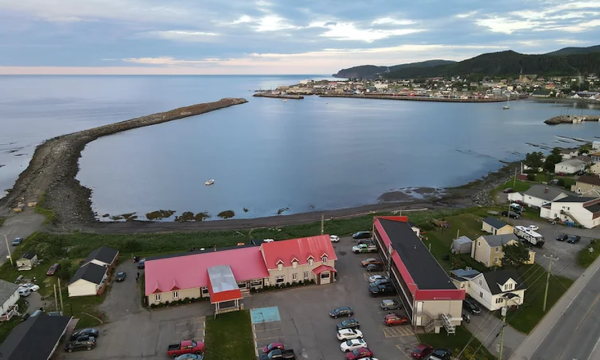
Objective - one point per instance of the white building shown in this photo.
(596, 145)
(581, 210)
(538, 195)
(9, 295)
(568, 153)
(569, 166)
(89, 280)
(496, 289)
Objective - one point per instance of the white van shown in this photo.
(24, 292)
(516, 207)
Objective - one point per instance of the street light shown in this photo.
(8, 249)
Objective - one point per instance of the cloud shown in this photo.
(347, 31)
(273, 22)
(466, 15)
(390, 21)
(242, 20)
(183, 35)
(506, 25)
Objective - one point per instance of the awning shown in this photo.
(222, 285)
(322, 268)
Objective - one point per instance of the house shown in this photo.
(462, 245)
(587, 185)
(461, 277)
(488, 249)
(429, 297)
(595, 169)
(496, 289)
(595, 157)
(209, 273)
(538, 195)
(35, 339)
(494, 226)
(580, 210)
(568, 153)
(9, 295)
(89, 280)
(27, 261)
(569, 166)
(596, 145)
(103, 256)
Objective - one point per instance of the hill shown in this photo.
(372, 71)
(575, 50)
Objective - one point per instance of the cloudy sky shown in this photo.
(276, 37)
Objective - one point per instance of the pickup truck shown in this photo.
(185, 347)
(364, 248)
(279, 354)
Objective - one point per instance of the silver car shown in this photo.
(390, 304)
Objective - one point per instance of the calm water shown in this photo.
(267, 154)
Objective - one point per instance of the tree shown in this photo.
(515, 255)
(534, 160)
(65, 272)
(552, 159)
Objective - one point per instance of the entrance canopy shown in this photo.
(222, 285)
(322, 268)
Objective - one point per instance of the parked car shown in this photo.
(53, 269)
(368, 241)
(395, 319)
(440, 354)
(511, 214)
(508, 190)
(359, 353)
(369, 261)
(85, 332)
(361, 235)
(189, 357)
(121, 275)
(352, 344)
(421, 351)
(185, 347)
(364, 248)
(573, 239)
(374, 278)
(334, 238)
(390, 304)
(379, 290)
(24, 292)
(374, 267)
(81, 343)
(348, 324)
(533, 227)
(141, 264)
(562, 237)
(30, 286)
(347, 334)
(341, 311)
(279, 354)
(272, 346)
(471, 306)
(17, 241)
(381, 281)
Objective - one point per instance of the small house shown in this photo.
(462, 245)
(27, 261)
(494, 226)
(103, 256)
(496, 289)
(9, 295)
(569, 166)
(567, 154)
(596, 145)
(595, 157)
(588, 185)
(488, 249)
(538, 195)
(89, 280)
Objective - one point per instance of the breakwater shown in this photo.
(416, 98)
(52, 170)
(568, 119)
(279, 96)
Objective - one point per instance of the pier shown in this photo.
(279, 96)
(420, 98)
(568, 119)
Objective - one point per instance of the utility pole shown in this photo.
(55, 298)
(8, 248)
(62, 306)
(551, 258)
(322, 223)
(515, 180)
(504, 310)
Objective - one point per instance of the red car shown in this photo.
(268, 348)
(359, 354)
(53, 269)
(421, 351)
(394, 319)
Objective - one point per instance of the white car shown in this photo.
(533, 227)
(334, 238)
(349, 334)
(374, 278)
(352, 344)
(30, 286)
(24, 292)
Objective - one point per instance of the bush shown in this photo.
(531, 177)
(66, 271)
(561, 182)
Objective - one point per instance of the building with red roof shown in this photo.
(225, 275)
(430, 298)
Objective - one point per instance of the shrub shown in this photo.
(561, 182)
(531, 177)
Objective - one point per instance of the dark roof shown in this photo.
(422, 266)
(594, 208)
(44, 331)
(495, 223)
(577, 199)
(589, 179)
(253, 243)
(104, 254)
(493, 278)
(29, 255)
(90, 272)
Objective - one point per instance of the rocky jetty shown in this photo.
(279, 96)
(417, 98)
(568, 119)
(55, 164)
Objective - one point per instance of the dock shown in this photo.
(279, 96)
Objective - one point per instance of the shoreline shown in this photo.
(416, 98)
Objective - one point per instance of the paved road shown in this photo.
(21, 225)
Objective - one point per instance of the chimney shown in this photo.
(546, 190)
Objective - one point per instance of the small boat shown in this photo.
(284, 100)
(209, 182)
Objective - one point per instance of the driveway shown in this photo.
(123, 298)
(18, 225)
(486, 327)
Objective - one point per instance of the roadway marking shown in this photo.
(399, 331)
(265, 330)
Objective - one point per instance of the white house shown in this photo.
(595, 169)
(9, 295)
(89, 280)
(595, 157)
(581, 210)
(496, 289)
(569, 166)
(538, 195)
(568, 153)
(27, 261)
(596, 145)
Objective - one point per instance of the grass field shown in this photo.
(457, 343)
(229, 337)
(585, 258)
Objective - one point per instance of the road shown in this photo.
(21, 225)
(575, 334)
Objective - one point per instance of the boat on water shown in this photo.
(209, 182)
(284, 100)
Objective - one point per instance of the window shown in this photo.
(497, 249)
(280, 266)
(280, 279)
(499, 300)
(495, 260)
(294, 264)
(480, 294)
(306, 275)
(294, 277)
(310, 262)
(479, 243)
(156, 297)
(204, 291)
(508, 286)
(175, 294)
(325, 275)
(480, 282)
(324, 258)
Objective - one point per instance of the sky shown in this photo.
(276, 37)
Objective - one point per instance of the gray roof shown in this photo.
(463, 240)
(497, 278)
(499, 240)
(545, 192)
(43, 331)
(29, 255)
(221, 278)
(463, 274)
(576, 199)
(495, 223)
(90, 272)
(7, 290)
(104, 254)
(572, 162)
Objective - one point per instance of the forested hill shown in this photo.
(372, 71)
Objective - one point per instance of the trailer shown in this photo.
(530, 236)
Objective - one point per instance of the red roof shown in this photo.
(299, 249)
(319, 269)
(190, 271)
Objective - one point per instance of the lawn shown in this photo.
(229, 336)
(457, 343)
(585, 258)
(545, 178)
(7, 326)
(516, 186)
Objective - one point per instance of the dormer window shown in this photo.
(324, 258)
(280, 265)
(310, 261)
(294, 263)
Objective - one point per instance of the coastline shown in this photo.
(416, 98)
